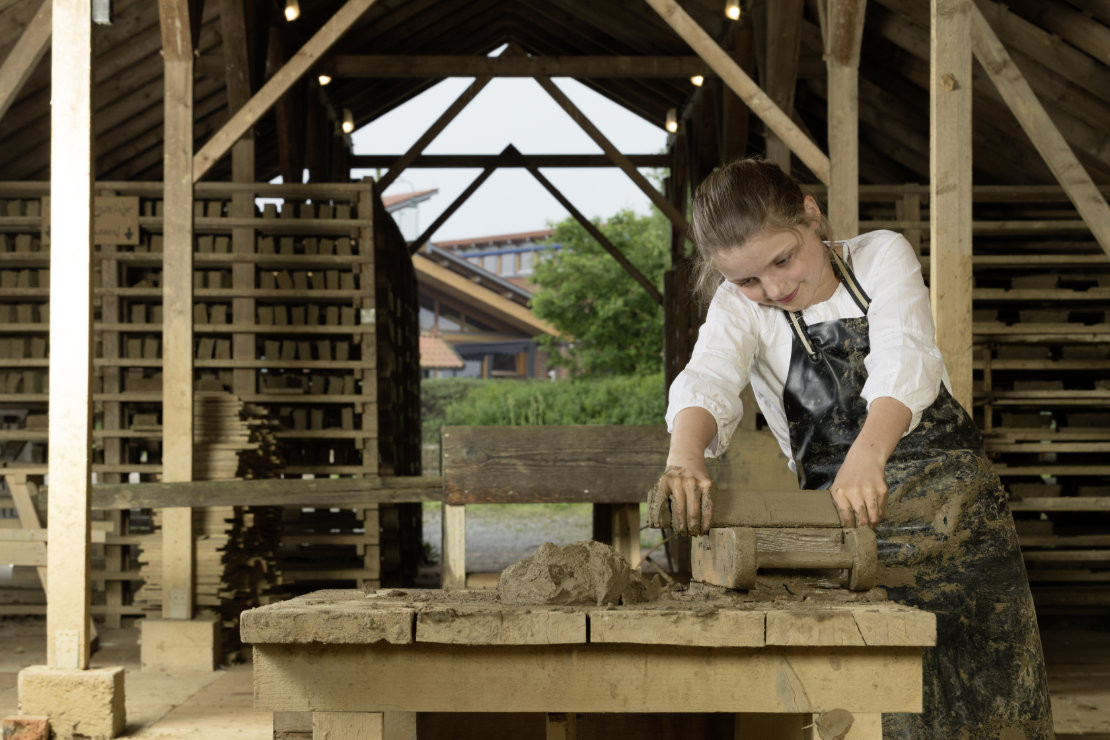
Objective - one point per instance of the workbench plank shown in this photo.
(332, 617)
(425, 677)
(702, 628)
(878, 624)
(497, 625)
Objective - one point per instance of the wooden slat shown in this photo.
(375, 66)
(1070, 503)
(596, 463)
(1041, 130)
(71, 179)
(342, 492)
(277, 85)
(25, 56)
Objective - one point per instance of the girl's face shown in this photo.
(781, 270)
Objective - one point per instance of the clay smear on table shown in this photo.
(585, 572)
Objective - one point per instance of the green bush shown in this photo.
(436, 394)
(608, 400)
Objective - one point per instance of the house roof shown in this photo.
(436, 354)
(402, 200)
(497, 240)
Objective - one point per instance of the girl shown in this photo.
(837, 342)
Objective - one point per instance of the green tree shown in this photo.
(615, 327)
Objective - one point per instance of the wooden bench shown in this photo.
(610, 466)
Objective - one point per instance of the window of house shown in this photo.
(449, 319)
(489, 263)
(427, 314)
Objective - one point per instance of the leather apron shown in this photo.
(947, 542)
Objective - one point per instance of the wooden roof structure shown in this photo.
(394, 49)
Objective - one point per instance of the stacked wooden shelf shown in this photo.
(1041, 301)
(287, 309)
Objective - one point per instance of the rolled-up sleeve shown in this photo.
(719, 369)
(904, 362)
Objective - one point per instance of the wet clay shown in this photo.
(585, 572)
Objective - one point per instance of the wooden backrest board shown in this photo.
(588, 463)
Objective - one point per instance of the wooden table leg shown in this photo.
(562, 726)
(364, 726)
(773, 726)
(626, 531)
(453, 560)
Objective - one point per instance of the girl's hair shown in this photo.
(736, 202)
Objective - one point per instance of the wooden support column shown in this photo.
(25, 55)
(735, 115)
(950, 278)
(784, 36)
(70, 435)
(743, 85)
(367, 309)
(1023, 102)
(845, 32)
(177, 306)
(234, 25)
(289, 113)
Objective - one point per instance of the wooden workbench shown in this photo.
(342, 654)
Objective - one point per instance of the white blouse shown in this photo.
(743, 341)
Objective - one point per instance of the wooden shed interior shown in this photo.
(293, 328)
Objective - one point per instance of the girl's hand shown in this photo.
(687, 489)
(859, 491)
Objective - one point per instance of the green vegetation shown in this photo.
(617, 328)
(618, 399)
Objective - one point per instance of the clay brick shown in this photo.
(27, 727)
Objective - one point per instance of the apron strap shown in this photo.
(798, 324)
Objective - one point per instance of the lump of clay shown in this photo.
(585, 572)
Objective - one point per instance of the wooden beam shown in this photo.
(71, 347)
(376, 66)
(25, 56)
(277, 85)
(743, 85)
(421, 240)
(784, 40)
(481, 161)
(845, 20)
(614, 154)
(595, 232)
(950, 277)
(1039, 127)
(177, 305)
(396, 168)
(288, 112)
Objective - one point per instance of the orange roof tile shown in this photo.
(436, 353)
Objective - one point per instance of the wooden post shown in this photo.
(950, 278)
(177, 306)
(237, 65)
(70, 435)
(453, 557)
(368, 340)
(784, 36)
(842, 54)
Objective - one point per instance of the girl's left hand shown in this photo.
(859, 491)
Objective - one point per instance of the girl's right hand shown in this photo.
(688, 491)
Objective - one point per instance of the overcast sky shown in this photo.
(512, 111)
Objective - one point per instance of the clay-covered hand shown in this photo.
(682, 500)
(859, 491)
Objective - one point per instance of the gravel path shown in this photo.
(499, 535)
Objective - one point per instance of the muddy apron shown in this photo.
(947, 542)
